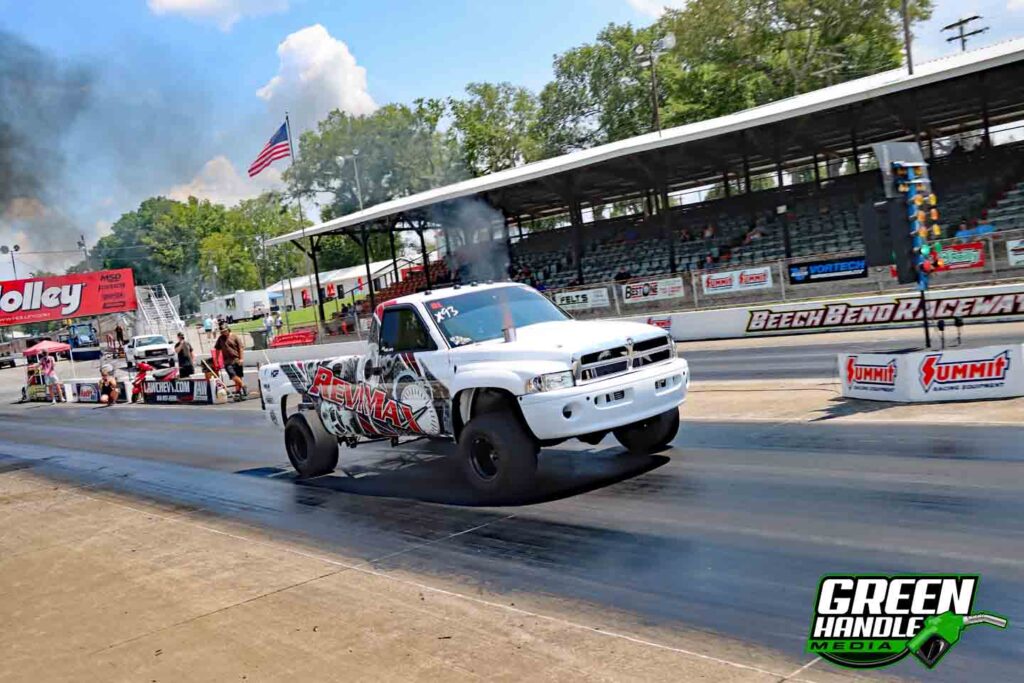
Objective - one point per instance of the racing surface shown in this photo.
(728, 530)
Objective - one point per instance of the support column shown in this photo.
(787, 242)
(508, 247)
(725, 184)
(313, 249)
(426, 258)
(984, 110)
(666, 227)
(394, 254)
(746, 163)
(369, 275)
(576, 218)
(855, 149)
(817, 173)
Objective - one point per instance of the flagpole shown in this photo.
(314, 279)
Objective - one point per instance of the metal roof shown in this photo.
(882, 106)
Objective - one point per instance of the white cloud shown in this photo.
(317, 74)
(655, 8)
(223, 13)
(1015, 5)
(221, 183)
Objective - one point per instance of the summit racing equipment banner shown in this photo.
(583, 299)
(960, 374)
(871, 621)
(1015, 252)
(653, 290)
(963, 256)
(737, 280)
(832, 269)
(66, 296)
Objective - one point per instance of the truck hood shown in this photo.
(560, 340)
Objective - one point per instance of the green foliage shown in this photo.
(494, 126)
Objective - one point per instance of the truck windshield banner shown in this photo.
(831, 269)
(737, 280)
(652, 290)
(66, 296)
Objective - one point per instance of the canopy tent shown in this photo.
(48, 347)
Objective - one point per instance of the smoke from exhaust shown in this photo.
(39, 101)
(475, 235)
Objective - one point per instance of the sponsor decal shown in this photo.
(902, 310)
(87, 393)
(957, 375)
(963, 256)
(663, 322)
(863, 376)
(363, 399)
(871, 621)
(66, 296)
(583, 299)
(831, 269)
(1015, 252)
(737, 280)
(652, 290)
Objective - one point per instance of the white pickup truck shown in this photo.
(496, 368)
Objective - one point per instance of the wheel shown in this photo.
(650, 434)
(311, 450)
(497, 455)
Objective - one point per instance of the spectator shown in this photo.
(709, 261)
(268, 326)
(186, 357)
(575, 282)
(232, 353)
(119, 333)
(109, 391)
(208, 327)
(622, 275)
(709, 231)
(48, 368)
(278, 323)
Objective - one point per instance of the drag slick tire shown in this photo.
(650, 434)
(497, 455)
(311, 449)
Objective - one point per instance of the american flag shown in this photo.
(276, 148)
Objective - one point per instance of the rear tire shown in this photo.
(497, 455)
(311, 449)
(650, 434)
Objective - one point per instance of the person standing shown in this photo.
(232, 353)
(208, 326)
(119, 334)
(278, 323)
(48, 368)
(186, 357)
(268, 326)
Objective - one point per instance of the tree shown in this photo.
(254, 221)
(494, 126)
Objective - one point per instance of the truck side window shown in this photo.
(401, 330)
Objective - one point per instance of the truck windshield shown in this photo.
(484, 314)
(150, 341)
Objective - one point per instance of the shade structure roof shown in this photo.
(941, 96)
(47, 346)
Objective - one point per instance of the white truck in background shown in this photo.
(496, 368)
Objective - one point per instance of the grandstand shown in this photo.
(781, 181)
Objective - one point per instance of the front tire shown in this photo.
(497, 455)
(651, 434)
(311, 449)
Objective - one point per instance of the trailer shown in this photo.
(241, 305)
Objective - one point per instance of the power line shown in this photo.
(961, 34)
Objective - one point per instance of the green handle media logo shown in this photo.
(870, 621)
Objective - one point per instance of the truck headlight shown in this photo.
(550, 382)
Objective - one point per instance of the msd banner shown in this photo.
(652, 290)
(737, 280)
(959, 374)
(963, 256)
(66, 296)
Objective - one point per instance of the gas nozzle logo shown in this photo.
(873, 621)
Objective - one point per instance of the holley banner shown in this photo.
(66, 296)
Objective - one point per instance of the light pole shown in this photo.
(12, 250)
(355, 166)
(648, 57)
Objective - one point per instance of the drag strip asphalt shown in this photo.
(728, 530)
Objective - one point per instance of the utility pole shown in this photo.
(85, 250)
(648, 58)
(961, 34)
(906, 37)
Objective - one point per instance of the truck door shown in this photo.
(414, 371)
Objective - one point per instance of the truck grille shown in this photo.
(621, 359)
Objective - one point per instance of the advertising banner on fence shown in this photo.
(963, 256)
(191, 390)
(827, 270)
(583, 299)
(66, 296)
(959, 374)
(652, 290)
(1015, 252)
(88, 390)
(737, 280)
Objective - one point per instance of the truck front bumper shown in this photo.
(607, 404)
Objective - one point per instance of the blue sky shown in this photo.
(182, 94)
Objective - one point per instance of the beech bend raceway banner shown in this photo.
(66, 296)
